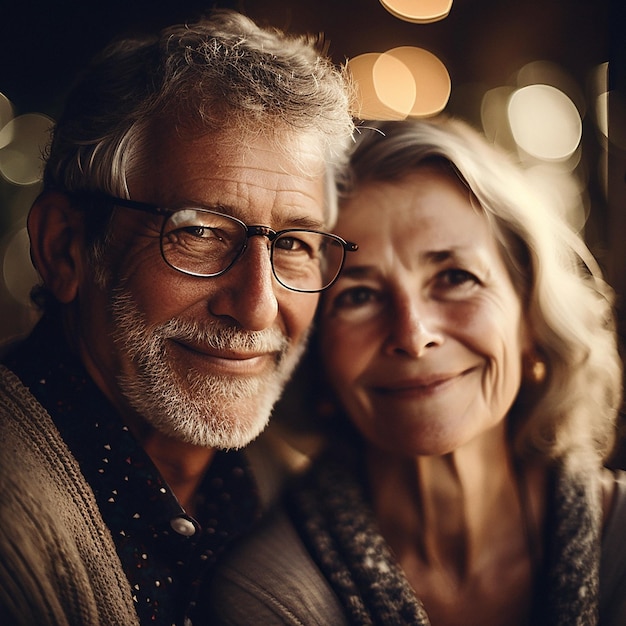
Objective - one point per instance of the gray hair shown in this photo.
(221, 74)
(568, 306)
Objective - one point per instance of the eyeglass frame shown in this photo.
(250, 230)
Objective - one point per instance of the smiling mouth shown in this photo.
(235, 361)
(236, 355)
(420, 387)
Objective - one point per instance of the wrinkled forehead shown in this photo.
(304, 150)
(298, 153)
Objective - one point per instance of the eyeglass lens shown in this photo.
(204, 243)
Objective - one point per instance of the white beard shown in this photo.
(214, 411)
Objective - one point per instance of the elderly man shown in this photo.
(181, 241)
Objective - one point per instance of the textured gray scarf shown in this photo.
(331, 511)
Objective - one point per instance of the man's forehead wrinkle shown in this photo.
(288, 206)
(301, 152)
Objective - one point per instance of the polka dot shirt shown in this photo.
(168, 556)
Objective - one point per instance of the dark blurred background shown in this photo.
(43, 44)
(484, 44)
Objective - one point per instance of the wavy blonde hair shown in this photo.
(567, 303)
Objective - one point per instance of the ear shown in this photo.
(56, 237)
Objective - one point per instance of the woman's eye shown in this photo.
(454, 284)
(456, 277)
(355, 297)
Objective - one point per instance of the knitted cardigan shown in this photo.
(58, 563)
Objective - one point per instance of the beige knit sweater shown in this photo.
(58, 563)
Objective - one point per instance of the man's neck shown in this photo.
(182, 465)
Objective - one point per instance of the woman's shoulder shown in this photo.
(614, 499)
(271, 576)
(613, 556)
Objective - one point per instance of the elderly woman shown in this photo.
(471, 351)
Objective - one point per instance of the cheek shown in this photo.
(491, 330)
(297, 312)
(498, 336)
(161, 294)
(346, 353)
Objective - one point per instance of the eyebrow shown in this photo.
(309, 223)
(454, 253)
(439, 256)
(357, 271)
(430, 257)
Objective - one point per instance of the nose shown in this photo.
(246, 293)
(413, 327)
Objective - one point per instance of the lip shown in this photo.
(231, 361)
(421, 385)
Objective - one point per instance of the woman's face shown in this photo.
(422, 335)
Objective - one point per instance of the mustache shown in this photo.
(223, 337)
(141, 340)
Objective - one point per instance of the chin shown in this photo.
(224, 428)
(403, 442)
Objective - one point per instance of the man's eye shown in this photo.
(288, 243)
(193, 231)
(202, 232)
(295, 244)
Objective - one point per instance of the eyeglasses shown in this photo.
(206, 243)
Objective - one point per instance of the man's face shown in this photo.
(202, 360)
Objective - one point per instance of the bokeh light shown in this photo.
(394, 83)
(369, 104)
(6, 112)
(548, 73)
(23, 141)
(495, 119)
(545, 122)
(601, 113)
(431, 78)
(541, 125)
(418, 11)
(405, 81)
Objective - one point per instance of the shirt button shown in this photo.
(183, 526)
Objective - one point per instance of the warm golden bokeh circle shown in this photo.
(418, 11)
